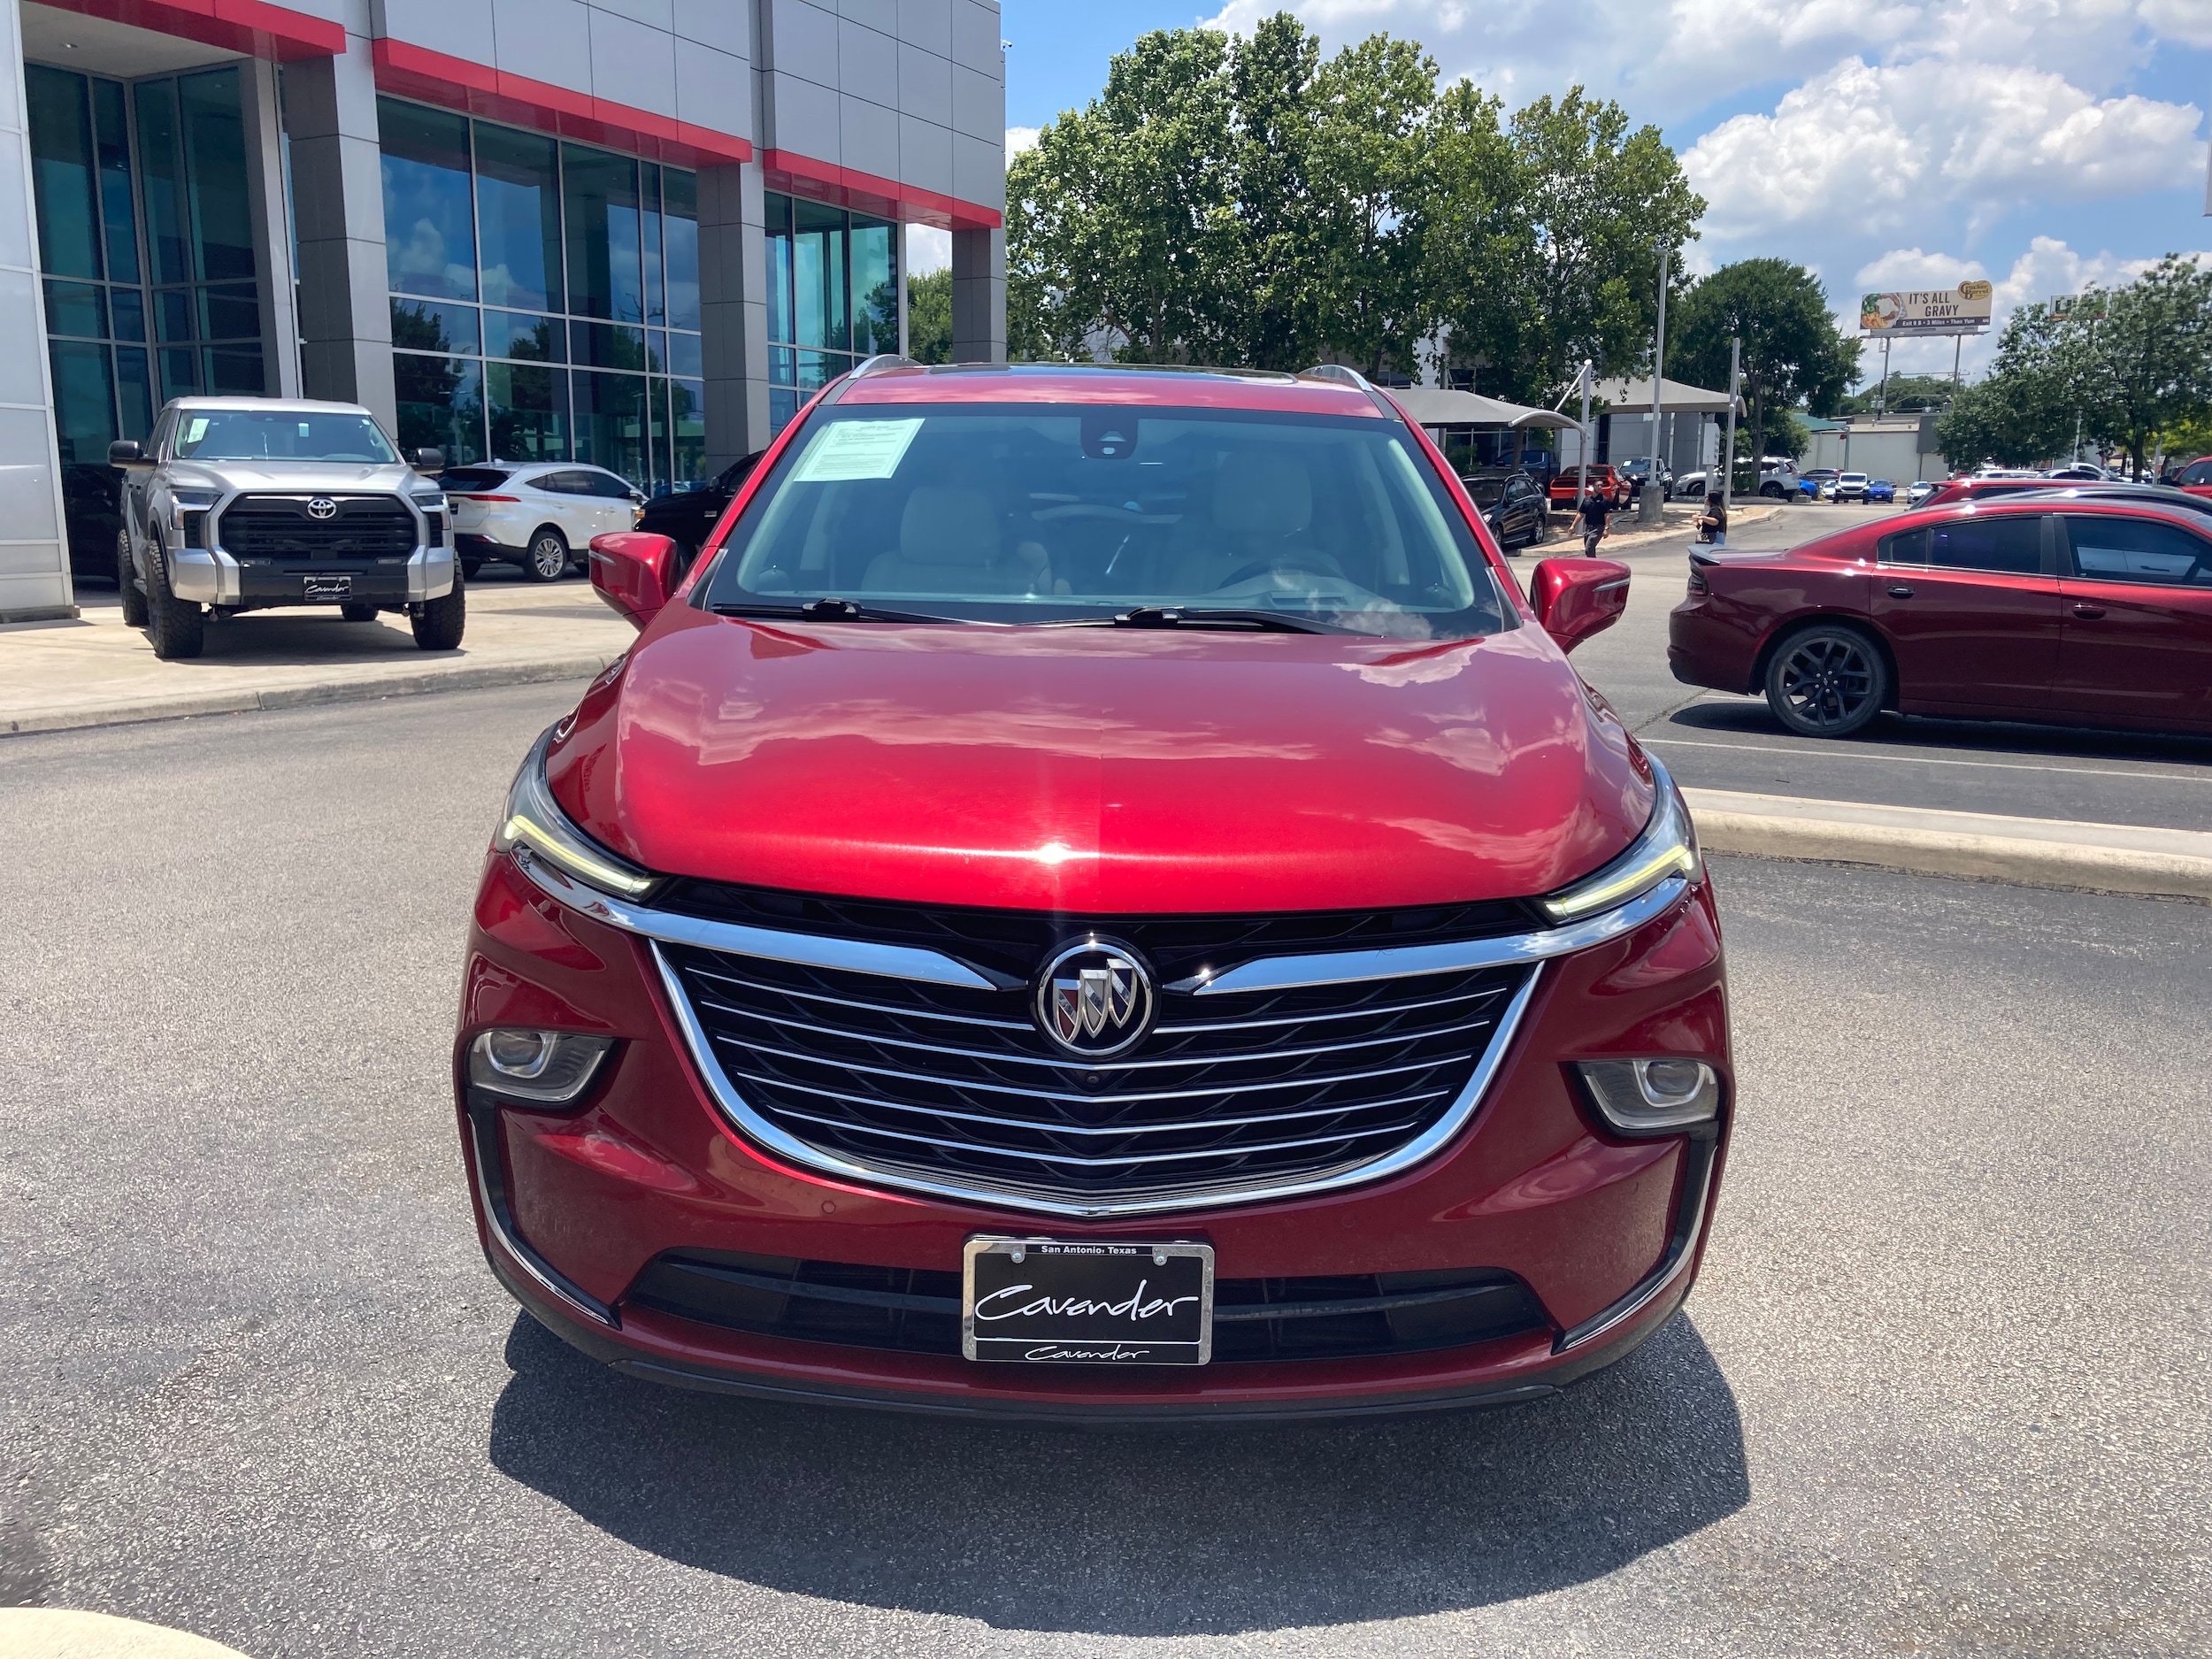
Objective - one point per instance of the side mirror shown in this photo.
(127, 452)
(1576, 598)
(428, 460)
(634, 571)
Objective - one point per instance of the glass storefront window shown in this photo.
(519, 209)
(832, 286)
(84, 401)
(118, 211)
(62, 172)
(429, 212)
(161, 179)
(680, 234)
(527, 404)
(606, 275)
(76, 307)
(610, 426)
(441, 406)
(532, 339)
(875, 290)
(420, 326)
(688, 422)
(215, 163)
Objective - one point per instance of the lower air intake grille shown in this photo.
(917, 1310)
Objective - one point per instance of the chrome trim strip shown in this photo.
(1366, 1011)
(1072, 1129)
(757, 1128)
(494, 1204)
(1689, 1227)
(1400, 1037)
(807, 950)
(1349, 967)
(1096, 1164)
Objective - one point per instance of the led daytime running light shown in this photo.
(534, 821)
(1668, 847)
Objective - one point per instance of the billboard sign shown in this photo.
(2078, 308)
(1963, 310)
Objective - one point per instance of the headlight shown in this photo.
(547, 1068)
(1649, 1097)
(536, 823)
(432, 503)
(1668, 847)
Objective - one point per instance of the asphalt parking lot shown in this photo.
(1943, 1389)
(1717, 740)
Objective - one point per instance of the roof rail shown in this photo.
(882, 363)
(1337, 373)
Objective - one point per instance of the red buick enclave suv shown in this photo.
(1096, 898)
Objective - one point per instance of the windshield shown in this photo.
(1485, 492)
(277, 434)
(1033, 514)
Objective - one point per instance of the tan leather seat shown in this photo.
(1261, 508)
(948, 544)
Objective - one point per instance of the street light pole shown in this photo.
(1728, 445)
(1881, 398)
(1582, 444)
(1657, 509)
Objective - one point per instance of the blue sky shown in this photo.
(2041, 143)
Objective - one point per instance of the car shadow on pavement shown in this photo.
(1137, 1532)
(1750, 717)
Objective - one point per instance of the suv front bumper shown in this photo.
(213, 577)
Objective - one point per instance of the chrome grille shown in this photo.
(955, 1090)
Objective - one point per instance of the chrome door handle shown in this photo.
(2089, 612)
(1899, 591)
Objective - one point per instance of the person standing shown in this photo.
(1594, 511)
(1713, 525)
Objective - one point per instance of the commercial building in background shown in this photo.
(636, 233)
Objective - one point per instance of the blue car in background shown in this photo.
(1881, 489)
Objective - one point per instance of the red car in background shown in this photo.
(1566, 486)
(2196, 478)
(1097, 898)
(2076, 607)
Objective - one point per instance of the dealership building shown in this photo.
(633, 233)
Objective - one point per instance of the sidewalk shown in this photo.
(58, 676)
(1677, 526)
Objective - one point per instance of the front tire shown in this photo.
(176, 626)
(437, 626)
(1827, 681)
(546, 559)
(126, 578)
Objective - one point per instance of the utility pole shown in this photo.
(1728, 445)
(1881, 398)
(1655, 501)
(1582, 444)
(1958, 344)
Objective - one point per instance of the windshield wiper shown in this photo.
(827, 610)
(1203, 616)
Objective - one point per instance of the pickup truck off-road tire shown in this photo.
(176, 626)
(438, 625)
(126, 578)
(547, 558)
(359, 613)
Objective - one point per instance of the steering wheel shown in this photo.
(1310, 564)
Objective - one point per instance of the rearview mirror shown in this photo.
(634, 571)
(428, 460)
(1576, 598)
(126, 452)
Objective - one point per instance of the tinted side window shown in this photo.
(2197, 473)
(468, 478)
(561, 483)
(2013, 546)
(606, 485)
(2140, 550)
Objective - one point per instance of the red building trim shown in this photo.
(252, 27)
(845, 187)
(416, 72)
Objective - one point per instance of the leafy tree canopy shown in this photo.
(929, 317)
(1792, 352)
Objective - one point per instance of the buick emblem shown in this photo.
(322, 507)
(1093, 999)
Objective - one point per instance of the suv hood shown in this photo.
(1101, 771)
(293, 477)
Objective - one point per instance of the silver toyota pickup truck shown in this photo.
(242, 503)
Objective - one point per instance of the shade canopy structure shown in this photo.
(1633, 398)
(1432, 408)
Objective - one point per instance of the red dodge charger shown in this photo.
(2077, 607)
(1096, 898)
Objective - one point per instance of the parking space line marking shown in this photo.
(1994, 765)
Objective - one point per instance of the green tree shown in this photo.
(2147, 363)
(1791, 351)
(1479, 253)
(1909, 395)
(929, 317)
(1275, 319)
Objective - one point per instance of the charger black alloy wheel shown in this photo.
(1827, 682)
(547, 560)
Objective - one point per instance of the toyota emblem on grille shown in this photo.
(1093, 999)
(322, 507)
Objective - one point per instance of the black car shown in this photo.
(687, 516)
(1512, 504)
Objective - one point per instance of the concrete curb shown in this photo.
(242, 702)
(39, 1632)
(2025, 852)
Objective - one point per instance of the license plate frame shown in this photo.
(1130, 1275)
(326, 587)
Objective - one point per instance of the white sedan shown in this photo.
(538, 515)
